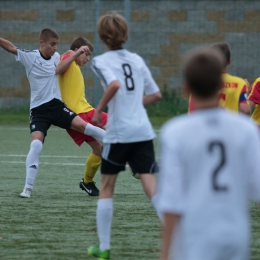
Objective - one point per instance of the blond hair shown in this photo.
(113, 30)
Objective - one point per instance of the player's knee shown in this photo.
(78, 124)
(148, 192)
(107, 188)
(36, 146)
(97, 149)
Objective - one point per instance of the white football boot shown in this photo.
(26, 193)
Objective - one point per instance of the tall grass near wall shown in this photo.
(171, 104)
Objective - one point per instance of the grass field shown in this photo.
(58, 221)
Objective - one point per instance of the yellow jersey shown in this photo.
(72, 88)
(233, 92)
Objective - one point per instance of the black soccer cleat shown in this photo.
(90, 188)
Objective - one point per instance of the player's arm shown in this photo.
(151, 90)
(107, 96)
(170, 222)
(251, 104)
(149, 99)
(8, 46)
(244, 106)
(69, 57)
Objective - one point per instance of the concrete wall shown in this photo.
(160, 31)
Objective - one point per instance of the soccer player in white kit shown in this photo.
(46, 107)
(129, 133)
(209, 171)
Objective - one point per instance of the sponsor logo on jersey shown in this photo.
(230, 85)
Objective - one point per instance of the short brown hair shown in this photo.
(202, 71)
(80, 41)
(113, 30)
(48, 33)
(223, 47)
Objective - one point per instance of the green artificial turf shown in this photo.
(58, 221)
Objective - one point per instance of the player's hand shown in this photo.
(96, 119)
(83, 49)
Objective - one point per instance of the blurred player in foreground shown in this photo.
(233, 94)
(46, 107)
(72, 90)
(129, 133)
(209, 171)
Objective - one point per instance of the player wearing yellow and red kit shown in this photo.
(233, 95)
(254, 100)
(72, 90)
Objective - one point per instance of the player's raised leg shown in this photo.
(78, 124)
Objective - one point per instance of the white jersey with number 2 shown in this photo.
(209, 172)
(127, 118)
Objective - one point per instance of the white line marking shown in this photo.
(26, 129)
(45, 156)
(65, 164)
(15, 128)
(52, 129)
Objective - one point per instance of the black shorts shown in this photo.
(139, 155)
(54, 112)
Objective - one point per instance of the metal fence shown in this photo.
(160, 31)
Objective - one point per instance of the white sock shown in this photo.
(104, 220)
(154, 201)
(32, 163)
(94, 131)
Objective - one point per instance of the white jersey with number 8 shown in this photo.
(127, 117)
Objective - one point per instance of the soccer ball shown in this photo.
(134, 174)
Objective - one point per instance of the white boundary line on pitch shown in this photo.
(26, 129)
(45, 156)
(61, 164)
(52, 129)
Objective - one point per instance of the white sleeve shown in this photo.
(253, 154)
(26, 57)
(150, 87)
(105, 74)
(170, 179)
(56, 58)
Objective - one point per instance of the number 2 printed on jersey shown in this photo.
(218, 146)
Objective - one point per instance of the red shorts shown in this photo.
(78, 137)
